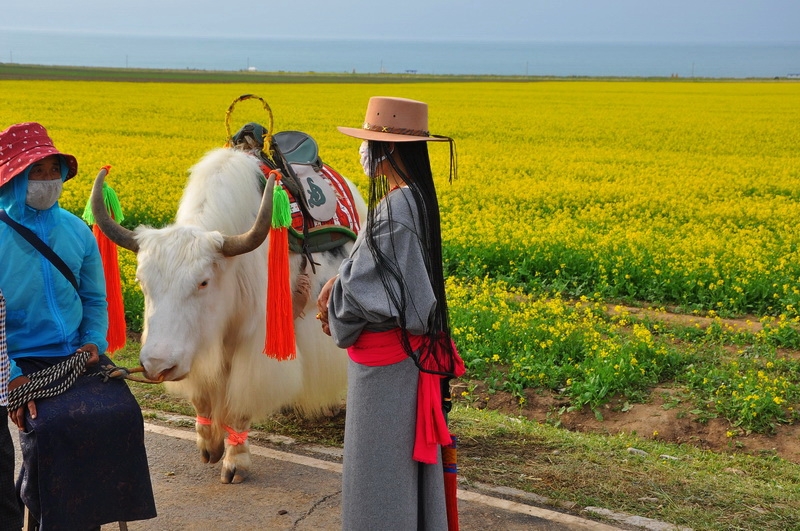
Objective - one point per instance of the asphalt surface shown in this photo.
(294, 489)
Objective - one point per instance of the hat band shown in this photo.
(395, 130)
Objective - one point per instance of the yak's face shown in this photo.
(182, 274)
(189, 294)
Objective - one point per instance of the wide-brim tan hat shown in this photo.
(394, 120)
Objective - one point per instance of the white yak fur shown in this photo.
(204, 320)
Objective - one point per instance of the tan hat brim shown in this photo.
(366, 134)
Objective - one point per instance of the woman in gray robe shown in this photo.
(387, 306)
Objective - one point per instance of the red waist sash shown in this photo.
(378, 349)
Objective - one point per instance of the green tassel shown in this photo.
(281, 210)
(111, 201)
(88, 217)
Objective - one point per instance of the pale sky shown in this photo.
(533, 20)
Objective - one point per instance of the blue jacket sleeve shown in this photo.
(15, 371)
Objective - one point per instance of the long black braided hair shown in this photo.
(411, 162)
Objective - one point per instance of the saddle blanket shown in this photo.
(322, 235)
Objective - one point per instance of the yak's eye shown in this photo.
(203, 284)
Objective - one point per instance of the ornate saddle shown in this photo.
(324, 215)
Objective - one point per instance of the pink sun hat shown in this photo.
(23, 144)
(395, 120)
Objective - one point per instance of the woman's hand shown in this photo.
(94, 358)
(17, 416)
(322, 304)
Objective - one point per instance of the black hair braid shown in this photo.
(419, 179)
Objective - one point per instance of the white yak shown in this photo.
(205, 298)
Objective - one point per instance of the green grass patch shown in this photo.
(679, 484)
(513, 341)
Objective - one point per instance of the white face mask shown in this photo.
(43, 194)
(364, 152)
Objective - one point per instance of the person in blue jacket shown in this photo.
(90, 437)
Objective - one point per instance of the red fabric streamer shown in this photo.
(376, 349)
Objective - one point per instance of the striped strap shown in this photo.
(49, 382)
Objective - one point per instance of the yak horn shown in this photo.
(250, 240)
(115, 232)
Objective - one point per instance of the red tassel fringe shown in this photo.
(117, 330)
(280, 340)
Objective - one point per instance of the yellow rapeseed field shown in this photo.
(679, 193)
(675, 193)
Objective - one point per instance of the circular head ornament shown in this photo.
(267, 134)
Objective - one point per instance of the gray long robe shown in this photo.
(383, 487)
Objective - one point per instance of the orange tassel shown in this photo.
(117, 331)
(280, 340)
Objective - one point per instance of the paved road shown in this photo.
(291, 491)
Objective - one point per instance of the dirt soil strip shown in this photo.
(749, 324)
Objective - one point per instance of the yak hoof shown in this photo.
(331, 411)
(229, 476)
(210, 457)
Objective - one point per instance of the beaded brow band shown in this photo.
(395, 130)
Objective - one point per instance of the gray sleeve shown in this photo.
(359, 300)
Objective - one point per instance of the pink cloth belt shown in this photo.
(378, 349)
